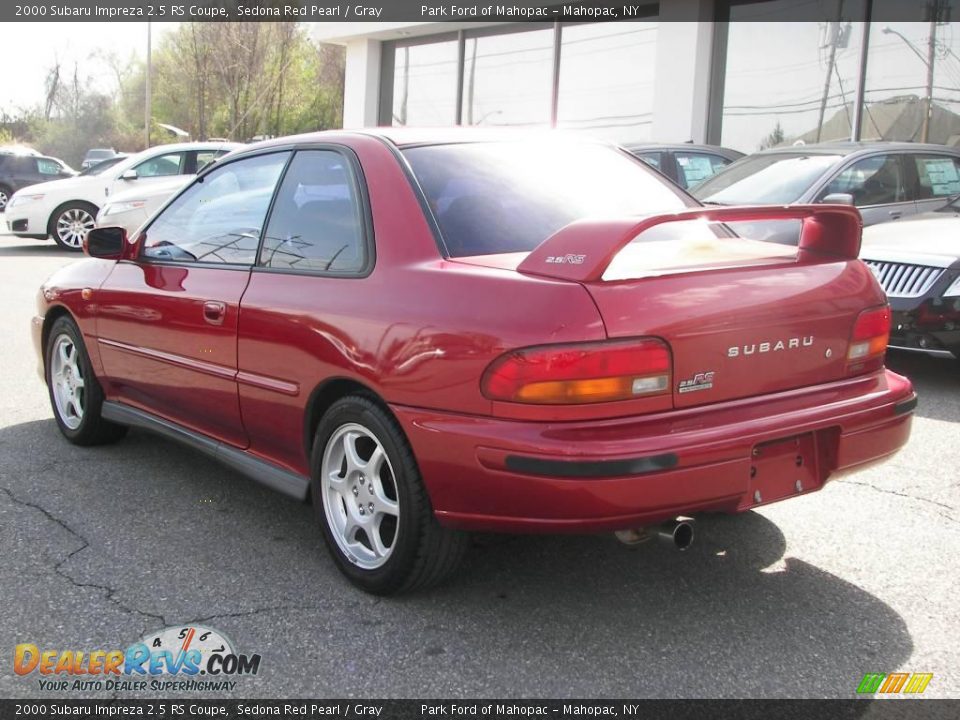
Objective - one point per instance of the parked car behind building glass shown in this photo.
(687, 165)
(886, 181)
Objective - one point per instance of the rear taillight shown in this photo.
(871, 333)
(580, 373)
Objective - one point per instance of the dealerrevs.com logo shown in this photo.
(192, 658)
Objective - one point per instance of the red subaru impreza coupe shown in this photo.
(431, 332)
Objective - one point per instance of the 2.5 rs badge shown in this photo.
(700, 381)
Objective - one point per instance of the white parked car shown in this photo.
(66, 209)
(132, 208)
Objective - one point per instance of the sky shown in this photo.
(28, 50)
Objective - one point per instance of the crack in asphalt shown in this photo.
(256, 611)
(110, 594)
(908, 496)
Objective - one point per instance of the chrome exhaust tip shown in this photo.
(679, 532)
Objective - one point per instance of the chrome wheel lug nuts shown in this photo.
(355, 491)
(370, 508)
(370, 489)
(362, 511)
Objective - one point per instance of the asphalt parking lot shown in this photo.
(100, 546)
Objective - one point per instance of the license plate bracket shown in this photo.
(783, 468)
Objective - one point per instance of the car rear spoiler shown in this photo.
(582, 250)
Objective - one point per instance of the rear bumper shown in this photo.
(503, 475)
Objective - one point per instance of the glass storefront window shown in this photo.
(789, 83)
(425, 84)
(898, 85)
(508, 78)
(606, 79)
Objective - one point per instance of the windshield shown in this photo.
(101, 166)
(99, 154)
(509, 197)
(773, 179)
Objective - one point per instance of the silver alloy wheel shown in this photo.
(73, 225)
(3, 200)
(67, 382)
(360, 497)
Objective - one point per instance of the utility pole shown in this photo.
(470, 82)
(406, 86)
(146, 106)
(834, 32)
(934, 9)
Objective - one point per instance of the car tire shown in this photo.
(75, 394)
(375, 514)
(5, 194)
(70, 223)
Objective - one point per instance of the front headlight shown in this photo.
(954, 289)
(19, 199)
(114, 208)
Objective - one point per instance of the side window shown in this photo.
(938, 176)
(205, 157)
(219, 219)
(874, 180)
(48, 167)
(161, 166)
(24, 165)
(651, 158)
(315, 224)
(693, 168)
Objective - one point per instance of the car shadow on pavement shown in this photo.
(147, 533)
(730, 617)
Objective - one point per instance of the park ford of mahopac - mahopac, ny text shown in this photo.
(479, 10)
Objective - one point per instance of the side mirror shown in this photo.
(838, 199)
(107, 243)
(130, 174)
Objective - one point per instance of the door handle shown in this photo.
(214, 312)
(895, 214)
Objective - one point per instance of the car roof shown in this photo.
(196, 145)
(680, 147)
(409, 137)
(19, 150)
(157, 150)
(847, 147)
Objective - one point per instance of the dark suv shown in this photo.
(18, 171)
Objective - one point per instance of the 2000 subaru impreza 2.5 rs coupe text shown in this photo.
(433, 332)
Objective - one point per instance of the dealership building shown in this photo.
(742, 74)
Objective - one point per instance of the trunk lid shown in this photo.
(742, 317)
(744, 331)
